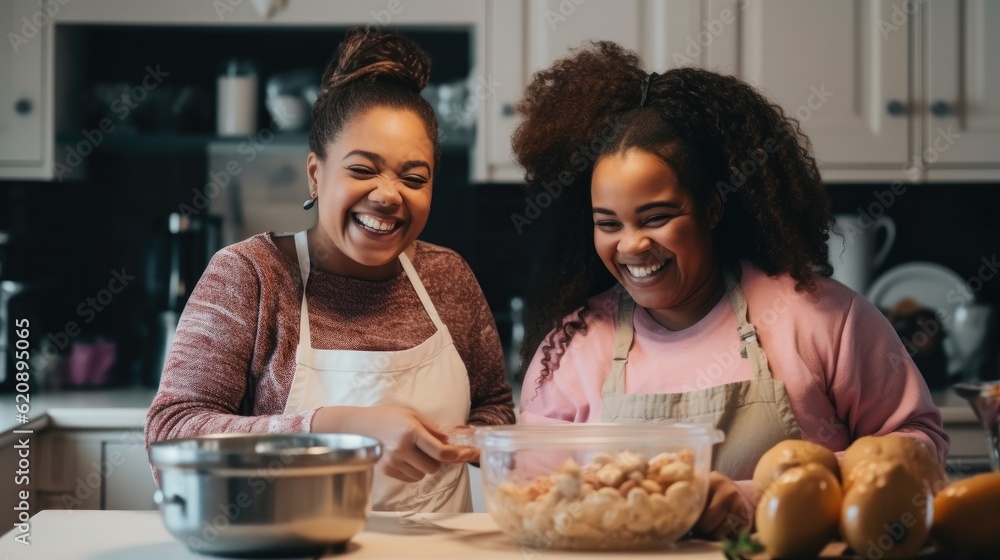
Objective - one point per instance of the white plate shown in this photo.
(929, 284)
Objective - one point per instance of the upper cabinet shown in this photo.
(25, 115)
(961, 85)
(525, 36)
(40, 136)
(885, 89)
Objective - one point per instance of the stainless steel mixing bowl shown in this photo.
(265, 495)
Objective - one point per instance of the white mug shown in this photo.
(855, 255)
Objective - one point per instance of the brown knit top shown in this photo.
(242, 322)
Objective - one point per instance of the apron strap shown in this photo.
(302, 252)
(748, 333)
(624, 333)
(418, 285)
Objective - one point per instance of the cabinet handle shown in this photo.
(941, 108)
(507, 110)
(896, 108)
(22, 106)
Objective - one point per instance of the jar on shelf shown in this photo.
(236, 102)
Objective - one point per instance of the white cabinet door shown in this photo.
(505, 59)
(25, 130)
(962, 85)
(841, 68)
(128, 480)
(525, 36)
(555, 26)
(94, 469)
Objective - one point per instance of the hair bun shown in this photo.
(367, 54)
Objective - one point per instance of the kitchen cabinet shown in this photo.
(25, 99)
(885, 89)
(30, 127)
(961, 84)
(11, 491)
(94, 469)
(525, 36)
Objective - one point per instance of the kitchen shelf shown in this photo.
(169, 144)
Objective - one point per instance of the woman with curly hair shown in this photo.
(353, 325)
(703, 201)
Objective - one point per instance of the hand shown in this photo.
(463, 436)
(726, 512)
(412, 446)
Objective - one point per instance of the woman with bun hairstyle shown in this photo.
(353, 325)
(703, 201)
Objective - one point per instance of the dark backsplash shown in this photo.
(70, 240)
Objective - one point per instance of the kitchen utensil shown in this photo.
(855, 255)
(8, 290)
(984, 397)
(930, 285)
(265, 494)
(596, 486)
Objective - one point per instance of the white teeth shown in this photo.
(373, 223)
(646, 270)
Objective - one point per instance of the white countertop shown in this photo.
(128, 535)
(126, 409)
(111, 409)
(954, 409)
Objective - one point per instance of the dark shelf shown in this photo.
(171, 144)
(167, 144)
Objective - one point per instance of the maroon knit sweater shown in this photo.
(242, 321)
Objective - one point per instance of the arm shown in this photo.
(875, 386)
(205, 377)
(875, 389)
(546, 401)
(479, 346)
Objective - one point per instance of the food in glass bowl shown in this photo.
(596, 486)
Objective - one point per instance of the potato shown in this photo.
(967, 516)
(791, 453)
(894, 447)
(798, 513)
(887, 511)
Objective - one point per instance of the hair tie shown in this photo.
(645, 88)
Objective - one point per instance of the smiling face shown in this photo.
(374, 193)
(655, 237)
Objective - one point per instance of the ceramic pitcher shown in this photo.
(857, 254)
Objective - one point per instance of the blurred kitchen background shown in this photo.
(138, 137)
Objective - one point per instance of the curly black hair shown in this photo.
(721, 137)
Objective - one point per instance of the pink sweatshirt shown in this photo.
(844, 368)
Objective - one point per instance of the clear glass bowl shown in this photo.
(596, 486)
(984, 397)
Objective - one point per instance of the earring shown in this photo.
(307, 205)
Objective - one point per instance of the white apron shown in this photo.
(755, 414)
(429, 378)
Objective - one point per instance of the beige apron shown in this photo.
(754, 414)
(429, 378)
